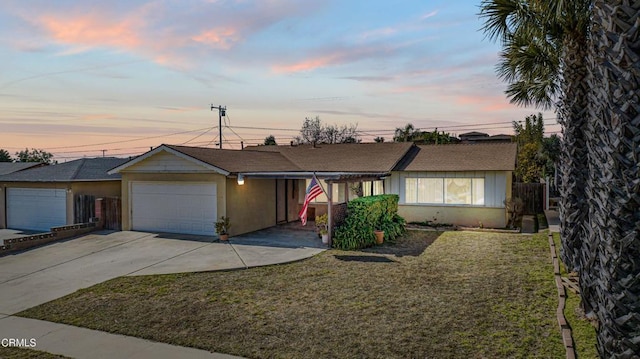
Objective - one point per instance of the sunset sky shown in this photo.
(80, 77)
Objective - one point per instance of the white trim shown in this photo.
(171, 151)
(319, 175)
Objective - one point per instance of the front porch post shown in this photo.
(329, 212)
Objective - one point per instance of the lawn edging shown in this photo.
(565, 329)
(56, 234)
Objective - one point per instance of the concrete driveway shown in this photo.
(40, 275)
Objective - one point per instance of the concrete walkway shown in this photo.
(78, 342)
(43, 274)
(553, 219)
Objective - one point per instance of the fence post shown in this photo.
(100, 213)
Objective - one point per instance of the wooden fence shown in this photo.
(85, 209)
(532, 196)
(112, 213)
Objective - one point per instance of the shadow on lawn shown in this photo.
(414, 243)
(376, 259)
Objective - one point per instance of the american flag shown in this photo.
(313, 191)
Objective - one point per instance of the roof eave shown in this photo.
(173, 152)
(308, 174)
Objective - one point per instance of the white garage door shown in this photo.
(36, 209)
(174, 207)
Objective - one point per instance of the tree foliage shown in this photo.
(314, 131)
(35, 155)
(409, 133)
(550, 154)
(537, 154)
(270, 141)
(544, 60)
(5, 156)
(531, 132)
(597, 72)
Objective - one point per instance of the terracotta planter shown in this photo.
(224, 237)
(379, 236)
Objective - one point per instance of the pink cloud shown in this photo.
(219, 38)
(91, 30)
(323, 57)
(165, 32)
(308, 65)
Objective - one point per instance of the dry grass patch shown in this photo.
(436, 295)
(22, 353)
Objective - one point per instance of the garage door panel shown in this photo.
(36, 208)
(186, 207)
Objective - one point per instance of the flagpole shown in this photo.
(329, 207)
(320, 184)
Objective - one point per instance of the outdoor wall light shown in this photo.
(240, 180)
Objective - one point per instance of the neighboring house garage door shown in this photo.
(187, 207)
(36, 209)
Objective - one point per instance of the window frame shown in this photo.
(442, 196)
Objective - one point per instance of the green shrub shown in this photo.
(366, 214)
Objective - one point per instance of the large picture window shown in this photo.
(469, 191)
(372, 188)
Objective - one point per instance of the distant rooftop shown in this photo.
(10, 167)
(84, 169)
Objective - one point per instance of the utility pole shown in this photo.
(103, 152)
(222, 111)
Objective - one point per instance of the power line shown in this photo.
(200, 135)
(281, 133)
(124, 141)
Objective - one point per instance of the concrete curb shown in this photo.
(565, 329)
(77, 342)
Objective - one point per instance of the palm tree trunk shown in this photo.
(612, 255)
(572, 113)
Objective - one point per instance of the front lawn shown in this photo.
(435, 295)
(22, 353)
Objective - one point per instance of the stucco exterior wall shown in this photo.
(459, 215)
(293, 199)
(251, 206)
(492, 214)
(97, 188)
(128, 178)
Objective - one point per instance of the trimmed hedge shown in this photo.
(366, 214)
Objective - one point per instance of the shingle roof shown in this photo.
(10, 167)
(236, 161)
(85, 169)
(464, 157)
(351, 157)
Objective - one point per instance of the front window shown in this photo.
(372, 188)
(469, 191)
(337, 192)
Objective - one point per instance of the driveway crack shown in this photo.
(238, 254)
(167, 259)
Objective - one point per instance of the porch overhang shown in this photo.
(329, 177)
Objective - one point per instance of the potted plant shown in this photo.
(322, 224)
(222, 228)
(379, 236)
